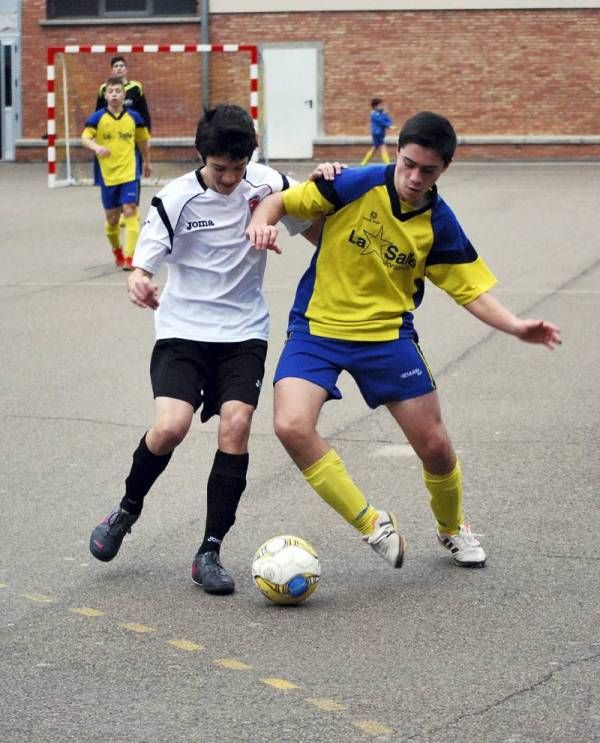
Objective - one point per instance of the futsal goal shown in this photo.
(172, 76)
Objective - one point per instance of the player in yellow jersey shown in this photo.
(386, 230)
(112, 133)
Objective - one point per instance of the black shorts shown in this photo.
(208, 374)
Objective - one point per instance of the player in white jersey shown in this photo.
(211, 323)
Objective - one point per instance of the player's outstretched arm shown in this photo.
(142, 292)
(492, 312)
(262, 231)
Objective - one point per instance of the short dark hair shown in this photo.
(226, 130)
(375, 102)
(118, 58)
(430, 130)
(113, 81)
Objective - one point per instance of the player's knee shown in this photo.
(168, 433)
(291, 428)
(234, 427)
(437, 452)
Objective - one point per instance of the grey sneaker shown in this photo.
(208, 572)
(386, 540)
(105, 540)
(466, 550)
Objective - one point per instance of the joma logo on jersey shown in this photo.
(198, 223)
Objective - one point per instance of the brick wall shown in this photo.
(496, 72)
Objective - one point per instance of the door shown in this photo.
(290, 102)
(9, 101)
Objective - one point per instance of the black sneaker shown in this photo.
(208, 572)
(106, 538)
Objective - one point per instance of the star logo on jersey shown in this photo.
(372, 242)
(376, 242)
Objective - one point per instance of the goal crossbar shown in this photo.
(250, 49)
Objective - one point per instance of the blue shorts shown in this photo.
(114, 197)
(386, 371)
(378, 139)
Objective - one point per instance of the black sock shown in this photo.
(144, 471)
(226, 483)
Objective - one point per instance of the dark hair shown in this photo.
(375, 102)
(114, 60)
(432, 131)
(226, 130)
(113, 81)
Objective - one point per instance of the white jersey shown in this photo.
(214, 284)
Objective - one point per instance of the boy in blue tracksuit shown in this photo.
(380, 122)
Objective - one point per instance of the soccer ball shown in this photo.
(286, 569)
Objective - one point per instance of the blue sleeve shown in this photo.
(450, 244)
(139, 121)
(351, 184)
(95, 118)
(380, 118)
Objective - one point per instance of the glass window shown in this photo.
(71, 8)
(8, 83)
(125, 6)
(100, 8)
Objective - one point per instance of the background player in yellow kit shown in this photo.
(112, 133)
(386, 230)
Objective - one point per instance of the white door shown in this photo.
(290, 120)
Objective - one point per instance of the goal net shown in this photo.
(173, 78)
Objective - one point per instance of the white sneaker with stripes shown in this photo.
(465, 548)
(386, 540)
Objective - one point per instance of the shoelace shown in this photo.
(469, 537)
(116, 523)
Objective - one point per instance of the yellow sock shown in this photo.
(132, 232)
(330, 479)
(367, 157)
(446, 498)
(113, 233)
(385, 157)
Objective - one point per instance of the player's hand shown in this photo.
(540, 331)
(147, 167)
(326, 171)
(102, 152)
(142, 292)
(263, 237)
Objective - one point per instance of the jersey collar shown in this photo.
(403, 216)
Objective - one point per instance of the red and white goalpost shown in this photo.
(69, 104)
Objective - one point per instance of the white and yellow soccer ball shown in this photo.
(286, 569)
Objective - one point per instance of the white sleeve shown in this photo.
(153, 244)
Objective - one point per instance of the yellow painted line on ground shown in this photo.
(280, 683)
(139, 628)
(233, 664)
(3, 585)
(185, 645)
(328, 705)
(39, 597)
(372, 727)
(86, 611)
